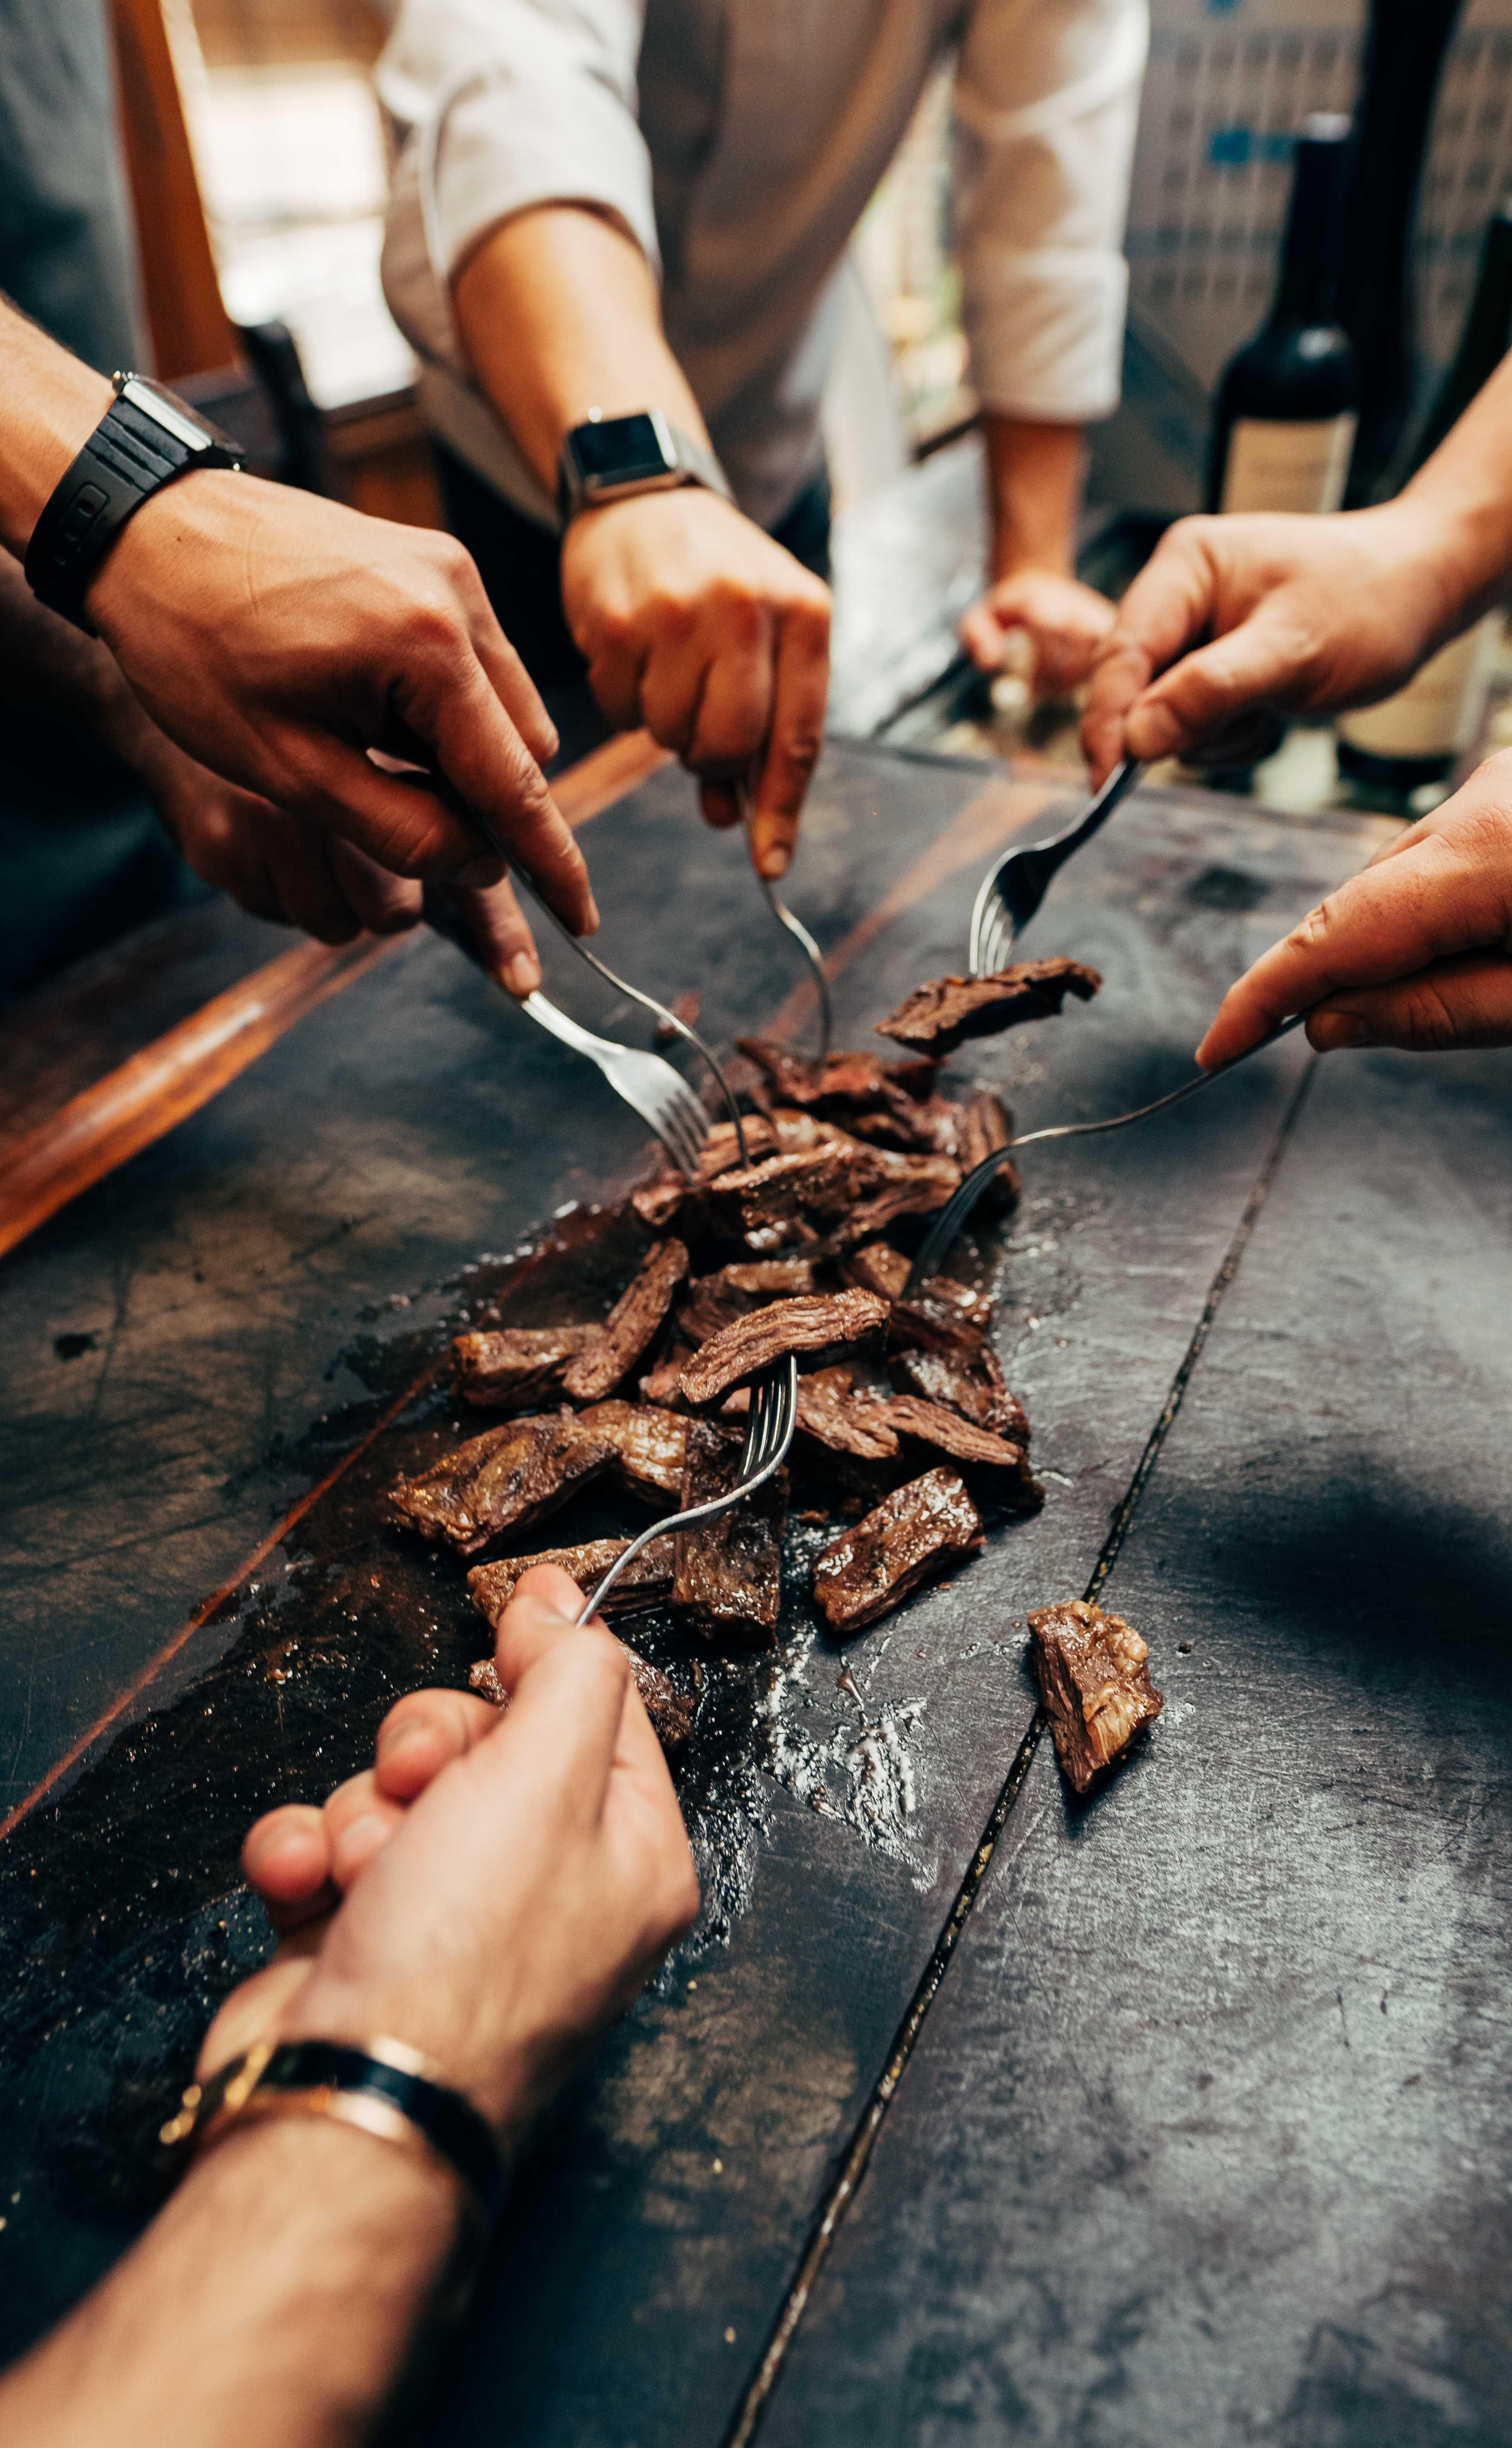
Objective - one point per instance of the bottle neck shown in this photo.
(1307, 292)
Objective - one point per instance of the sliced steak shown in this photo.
(642, 1583)
(517, 1367)
(999, 1469)
(846, 1188)
(827, 1323)
(835, 1417)
(987, 1124)
(631, 1326)
(1096, 1690)
(942, 1315)
(659, 1387)
(915, 1533)
(671, 1712)
(844, 1085)
(728, 1579)
(712, 1302)
(974, 1387)
(650, 1446)
(878, 1268)
(937, 1018)
(503, 1480)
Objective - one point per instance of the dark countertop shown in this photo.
(1202, 2136)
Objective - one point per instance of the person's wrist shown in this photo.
(200, 512)
(1014, 560)
(65, 402)
(330, 2009)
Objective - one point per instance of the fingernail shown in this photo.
(776, 860)
(1151, 733)
(393, 1739)
(592, 927)
(521, 974)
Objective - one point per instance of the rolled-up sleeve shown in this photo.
(1046, 108)
(497, 105)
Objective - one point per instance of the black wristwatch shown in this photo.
(611, 457)
(146, 437)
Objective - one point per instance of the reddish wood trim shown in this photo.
(140, 1101)
(227, 1590)
(190, 330)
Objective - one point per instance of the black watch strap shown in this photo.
(145, 438)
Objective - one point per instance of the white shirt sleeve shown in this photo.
(500, 104)
(1046, 109)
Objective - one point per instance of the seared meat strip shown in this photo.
(942, 1315)
(503, 1480)
(631, 1326)
(715, 1301)
(878, 1268)
(1001, 1469)
(642, 1583)
(916, 1532)
(728, 1579)
(686, 1007)
(1096, 1689)
(857, 1081)
(987, 1123)
(827, 1323)
(659, 1387)
(517, 1367)
(854, 1190)
(843, 1422)
(937, 1018)
(650, 1446)
(974, 1387)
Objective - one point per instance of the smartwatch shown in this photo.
(611, 457)
(146, 437)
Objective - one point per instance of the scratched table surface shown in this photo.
(966, 2112)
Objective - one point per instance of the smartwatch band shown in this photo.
(613, 458)
(382, 2089)
(145, 438)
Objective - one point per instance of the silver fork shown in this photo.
(953, 1215)
(1011, 892)
(772, 1417)
(794, 925)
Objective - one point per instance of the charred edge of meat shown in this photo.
(514, 1368)
(1001, 1469)
(630, 1328)
(828, 1323)
(728, 1579)
(987, 1124)
(916, 1532)
(939, 1016)
(504, 1481)
(642, 1583)
(942, 1315)
(877, 1267)
(650, 1446)
(974, 1387)
(1097, 1692)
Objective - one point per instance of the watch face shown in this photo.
(622, 451)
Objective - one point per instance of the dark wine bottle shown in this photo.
(1285, 414)
(1415, 736)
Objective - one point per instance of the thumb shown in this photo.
(1262, 661)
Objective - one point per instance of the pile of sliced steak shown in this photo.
(796, 1243)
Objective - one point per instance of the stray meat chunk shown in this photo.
(642, 1583)
(1001, 1469)
(914, 1534)
(937, 1018)
(515, 1367)
(503, 1480)
(842, 1422)
(878, 1268)
(631, 1326)
(1094, 1685)
(827, 1323)
(728, 1579)
(974, 1387)
(650, 1446)
(686, 1007)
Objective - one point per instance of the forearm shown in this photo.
(270, 2304)
(1034, 490)
(1461, 499)
(559, 313)
(52, 405)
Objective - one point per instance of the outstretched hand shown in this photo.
(1415, 950)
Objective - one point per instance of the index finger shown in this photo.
(1384, 923)
(802, 685)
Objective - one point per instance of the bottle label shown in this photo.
(1286, 466)
(1438, 712)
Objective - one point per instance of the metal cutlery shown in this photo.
(953, 1215)
(796, 927)
(1011, 892)
(769, 1429)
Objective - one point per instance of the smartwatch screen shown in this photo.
(620, 451)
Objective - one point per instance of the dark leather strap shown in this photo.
(127, 458)
(451, 2124)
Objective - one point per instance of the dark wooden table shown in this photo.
(1180, 2116)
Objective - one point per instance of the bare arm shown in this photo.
(691, 619)
(1034, 486)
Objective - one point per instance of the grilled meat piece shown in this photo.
(987, 1124)
(631, 1326)
(715, 1301)
(686, 1007)
(845, 1083)
(942, 1315)
(914, 1534)
(503, 1480)
(650, 1446)
(642, 1583)
(974, 1387)
(878, 1268)
(659, 1387)
(1094, 1685)
(1001, 1469)
(671, 1712)
(826, 1323)
(516, 1368)
(851, 1190)
(844, 1423)
(728, 1577)
(938, 1016)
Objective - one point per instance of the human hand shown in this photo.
(277, 638)
(1232, 614)
(695, 623)
(1415, 950)
(1065, 622)
(498, 1919)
